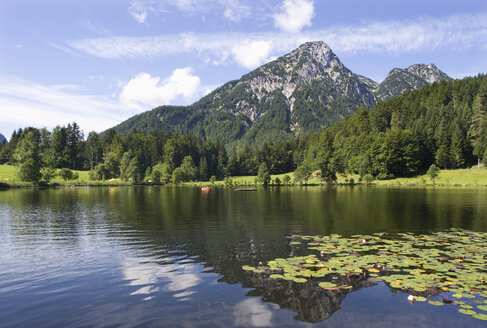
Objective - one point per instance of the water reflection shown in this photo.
(150, 277)
(251, 312)
(173, 256)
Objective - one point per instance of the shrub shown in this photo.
(66, 174)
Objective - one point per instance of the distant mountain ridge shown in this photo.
(2, 139)
(414, 77)
(298, 93)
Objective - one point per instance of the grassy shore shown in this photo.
(9, 178)
(472, 177)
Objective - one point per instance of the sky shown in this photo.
(99, 62)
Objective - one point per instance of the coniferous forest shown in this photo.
(443, 124)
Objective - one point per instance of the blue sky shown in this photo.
(98, 62)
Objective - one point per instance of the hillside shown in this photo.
(296, 94)
(2, 139)
(443, 124)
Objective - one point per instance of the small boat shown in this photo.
(205, 188)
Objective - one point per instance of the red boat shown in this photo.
(205, 188)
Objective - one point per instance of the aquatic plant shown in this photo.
(441, 268)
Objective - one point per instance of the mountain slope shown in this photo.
(2, 139)
(414, 77)
(298, 93)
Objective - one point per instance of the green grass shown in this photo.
(250, 180)
(9, 177)
(8, 173)
(463, 177)
(470, 177)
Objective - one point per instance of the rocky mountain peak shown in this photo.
(414, 77)
(430, 73)
(2, 139)
(318, 51)
(298, 93)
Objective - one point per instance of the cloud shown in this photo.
(25, 103)
(294, 15)
(138, 12)
(454, 33)
(251, 54)
(144, 91)
(235, 11)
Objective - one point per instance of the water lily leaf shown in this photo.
(480, 316)
(299, 280)
(326, 284)
(467, 312)
(437, 303)
(482, 307)
(276, 276)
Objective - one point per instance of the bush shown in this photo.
(277, 181)
(178, 175)
(156, 176)
(433, 172)
(30, 171)
(228, 181)
(286, 179)
(48, 173)
(368, 178)
(66, 174)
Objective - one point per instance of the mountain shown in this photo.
(2, 139)
(296, 94)
(414, 77)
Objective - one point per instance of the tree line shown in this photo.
(444, 124)
(157, 157)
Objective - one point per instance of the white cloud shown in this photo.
(294, 15)
(455, 33)
(24, 103)
(235, 11)
(145, 91)
(138, 12)
(251, 54)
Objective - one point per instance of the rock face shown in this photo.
(2, 139)
(296, 94)
(414, 77)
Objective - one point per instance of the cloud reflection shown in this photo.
(251, 312)
(152, 277)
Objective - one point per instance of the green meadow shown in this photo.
(462, 177)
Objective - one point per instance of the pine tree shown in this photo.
(477, 129)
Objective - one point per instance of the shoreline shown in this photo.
(461, 178)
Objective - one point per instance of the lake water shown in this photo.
(173, 256)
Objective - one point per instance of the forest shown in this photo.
(444, 124)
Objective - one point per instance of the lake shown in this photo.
(173, 256)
